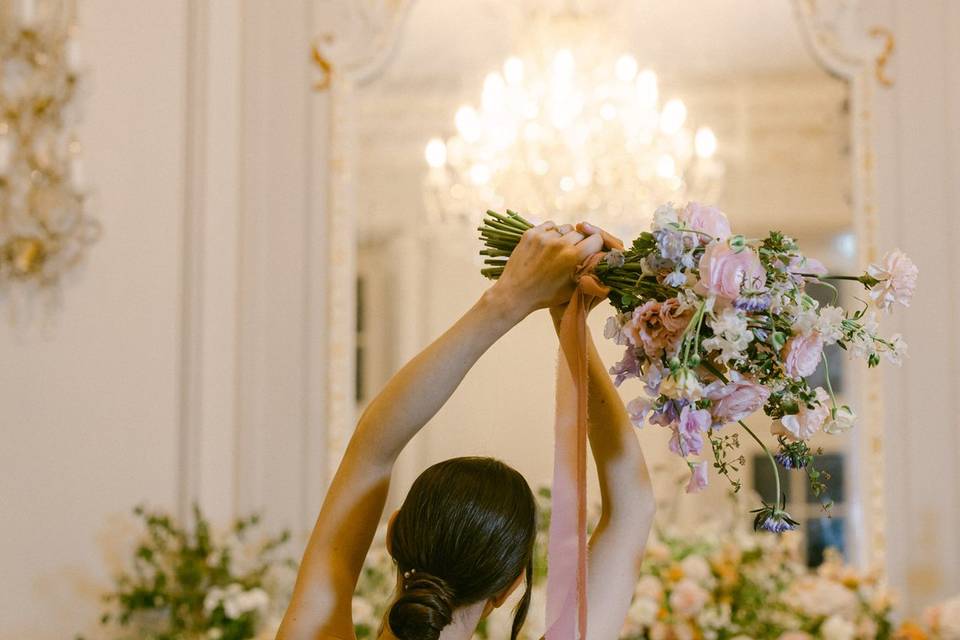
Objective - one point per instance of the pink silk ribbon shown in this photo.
(567, 546)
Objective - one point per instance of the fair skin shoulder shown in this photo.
(538, 275)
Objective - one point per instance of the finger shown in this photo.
(610, 241)
(544, 226)
(590, 245)
(572, 237)
(565, 229)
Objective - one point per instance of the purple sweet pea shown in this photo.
(698, 477)
(688, 434)
(628, 367)
(637, 409)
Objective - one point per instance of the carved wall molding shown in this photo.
(837, 38)
(357, 40)
(352, 48)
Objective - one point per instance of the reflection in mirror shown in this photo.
(655, 108)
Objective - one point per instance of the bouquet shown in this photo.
(718, 326)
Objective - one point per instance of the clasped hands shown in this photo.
(540, 272)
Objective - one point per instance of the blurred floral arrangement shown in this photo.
(44, 223)
(938, 622)
(186, 584)
(727, 584)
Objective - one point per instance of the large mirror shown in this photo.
(715, 109)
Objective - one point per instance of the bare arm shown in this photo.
(628, 505)
(617, 544)
(538, 275)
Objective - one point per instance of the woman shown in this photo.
(463, 538)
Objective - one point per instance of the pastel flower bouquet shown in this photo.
(718, 326)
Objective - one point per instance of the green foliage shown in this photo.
(190, 583)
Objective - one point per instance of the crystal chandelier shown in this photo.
(45, 227)
(570, 134)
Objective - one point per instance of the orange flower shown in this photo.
(910, 631)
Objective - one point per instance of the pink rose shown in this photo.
(655, 326)
(674, 317)
(698, 477)
(803, 425)
(725, 270)
(898, 278)
(801, 354)
(736, 399)
(707, 219)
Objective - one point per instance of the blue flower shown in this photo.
(774, 519)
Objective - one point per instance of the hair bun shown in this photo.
(423, 609)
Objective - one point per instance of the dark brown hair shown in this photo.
(464, 534)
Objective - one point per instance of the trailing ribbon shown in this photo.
(567, 547)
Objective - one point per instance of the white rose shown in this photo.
(696, 567)
(841, 420)
(837, 628)
(643, 612)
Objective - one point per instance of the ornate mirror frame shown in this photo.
(353, 47)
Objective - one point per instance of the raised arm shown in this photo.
(538, 275)
(617, 544)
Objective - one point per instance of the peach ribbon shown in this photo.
(567, 546)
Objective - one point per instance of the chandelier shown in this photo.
(45, 225)
(570, 134)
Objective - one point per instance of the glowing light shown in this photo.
(513, 70)
(666, 166)
(468, 123)
(494, 91)
(563, 66)
(435, 153)
(626, 68)
(480, 174)
(673, 116)
(647, 93)
(705, 142)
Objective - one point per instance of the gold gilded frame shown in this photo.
(355, 47)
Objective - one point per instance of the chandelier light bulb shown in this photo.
(666, 166)
(480, 174)
(468, 123)
(673, 116)
(705, 142)
(647, 93)
(626, 68)
(563, 66)
(494, 91)
(513, 70)
(435, 153)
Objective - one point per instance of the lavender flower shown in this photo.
(775, 524)
(774, 519)
(753, 302)
(787, 461)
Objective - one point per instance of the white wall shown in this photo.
(90, 412)
(186, 364)
(918, 163)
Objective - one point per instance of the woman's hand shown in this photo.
(610, 241)
(540, 271)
